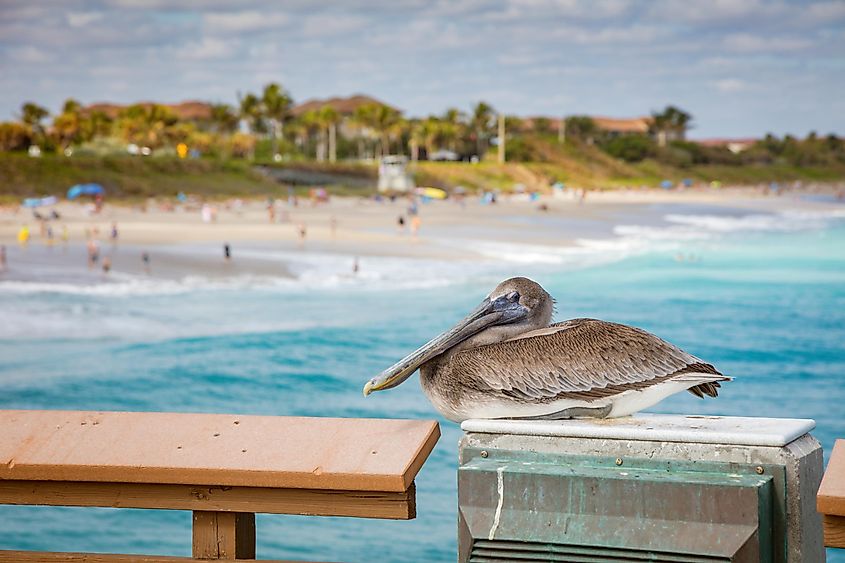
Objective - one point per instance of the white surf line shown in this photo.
(500, 490)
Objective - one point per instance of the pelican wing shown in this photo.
(583, 359)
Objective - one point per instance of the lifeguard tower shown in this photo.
(393, 175)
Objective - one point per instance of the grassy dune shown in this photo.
(574, 164)
(129, 177)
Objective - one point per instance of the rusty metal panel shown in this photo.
(531, 507)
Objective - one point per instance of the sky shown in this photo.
(740, 67)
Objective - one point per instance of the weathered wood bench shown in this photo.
(224, 468)
(830, 501)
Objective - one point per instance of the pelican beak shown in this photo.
(502, 310)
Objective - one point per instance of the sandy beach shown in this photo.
(179, 242)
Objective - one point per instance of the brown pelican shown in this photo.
(505, 360)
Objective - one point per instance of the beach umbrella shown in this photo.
(34, 202)
(85, 189)
(666, 184)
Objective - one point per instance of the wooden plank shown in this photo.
(314, 502)
(214, 449)
(834, 531)
(831, 496)
(223, 535)
(415, 463)
(60, 557)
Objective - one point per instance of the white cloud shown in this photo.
(81, 19)
(207, 48)
(748, 43)
(29, 55)
(712, 11)
(729, 85)
(826, 12)
(246, 21)
(328, 25)
(563, 9)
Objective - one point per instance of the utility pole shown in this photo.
(333, 142)
(502, 140)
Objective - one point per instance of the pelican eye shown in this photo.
(513, 296)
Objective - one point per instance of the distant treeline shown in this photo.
(267, 126)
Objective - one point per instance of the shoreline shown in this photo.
(181, 245)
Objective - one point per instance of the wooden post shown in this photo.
(223, 535)
(502, 140)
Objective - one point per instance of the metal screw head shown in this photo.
(618, 461)
(759, 470)
(484, 453)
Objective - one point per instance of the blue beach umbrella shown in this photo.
(85, 189)
(666, 184)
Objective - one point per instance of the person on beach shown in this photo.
(302, 233)
(65, 236)
(106, 265)
(355, 266)
(114, 233)
(205, 213)
(2, 257)
(49, 235)
(145, 261)
(93, 247)
(23, 235)
(400, 224)
(227, 252)
(415, 225)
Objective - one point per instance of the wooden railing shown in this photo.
(224, 468)
(831, 498)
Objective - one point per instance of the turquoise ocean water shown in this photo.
(760, 296)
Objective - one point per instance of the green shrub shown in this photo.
(630, 148)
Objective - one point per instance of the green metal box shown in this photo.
(572, 499)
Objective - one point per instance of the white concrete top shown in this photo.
(700, 429)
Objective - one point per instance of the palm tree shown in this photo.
(223, 118)
(298, 129)
(149, 126)
(381, 119)
(416, 138)
(329, 118)
(249, 110)
(365, 117)
(97, 124)
(482, 120)
(275, 107)
(430, 133)
(249, 107)
(68, 125)
(452, 128)
(32, 115)
(672, 124)
(312, 120)
(71, 106)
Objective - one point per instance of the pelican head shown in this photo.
(515, 306)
